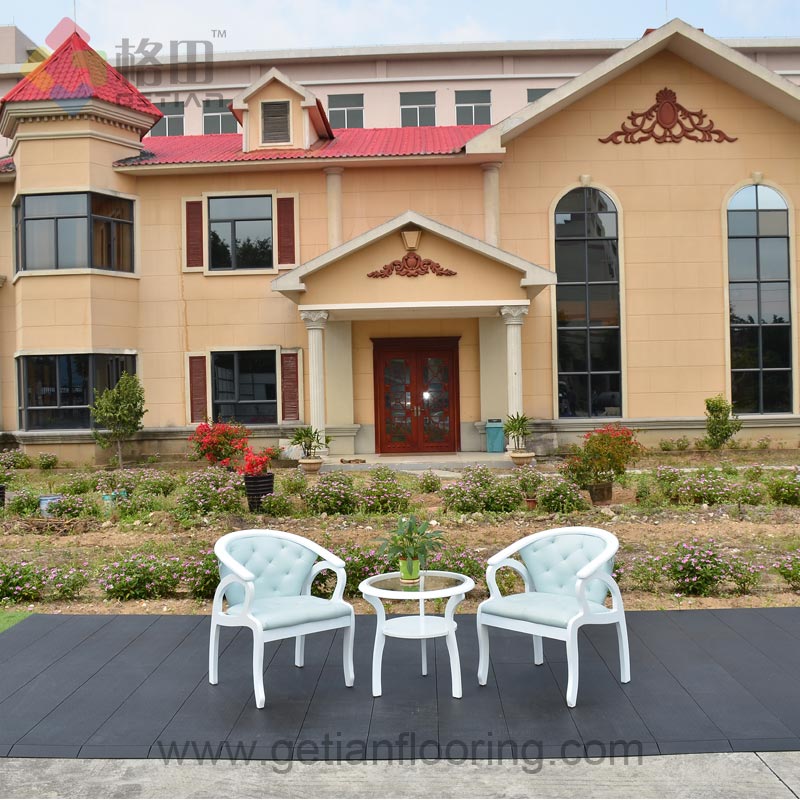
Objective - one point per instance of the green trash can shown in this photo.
(495, 439)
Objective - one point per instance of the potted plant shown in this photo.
(258, 480)
(410, 545)
(529, 479)
(312, 441)
(516, 429)
(604, 455)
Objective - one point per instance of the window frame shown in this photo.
(346, 109)
(209, 269)
(21, 217)
(473, 106)
(219, 115)
(169, 120)
(236, 352)
(417, 107)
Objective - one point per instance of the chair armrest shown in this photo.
(491, 570)
(239, 570)
(249, 594)
(582, 583)
(321, 566)
(606, 555)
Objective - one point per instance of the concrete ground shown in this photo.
(711, 775)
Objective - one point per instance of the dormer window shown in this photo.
(275, 122)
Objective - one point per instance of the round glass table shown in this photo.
(432, 585)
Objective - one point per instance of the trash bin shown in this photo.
(495, 439)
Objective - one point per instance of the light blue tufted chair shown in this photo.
(266, 579)
(567, 575)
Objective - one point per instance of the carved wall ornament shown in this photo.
(667, 121)
(411, 265)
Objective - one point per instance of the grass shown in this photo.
(9, 618)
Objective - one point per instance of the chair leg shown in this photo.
(455, 663)
(377, 658)
(299, 650)
(538, 651)
(572, 668)
(483, 652)
(258, 670)
(624, 653)
(347, 654)
(213, 654)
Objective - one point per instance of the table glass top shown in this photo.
(426, 583)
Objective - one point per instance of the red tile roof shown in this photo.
(347, 143)
(76, 72)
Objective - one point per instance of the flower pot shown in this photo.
(600, 492)
(521, 457)
(310, 465)
(406, 575)
(44, 503)
(531, 502)
(2, 494)
(256, 487)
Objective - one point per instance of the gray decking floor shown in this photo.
(136, 687)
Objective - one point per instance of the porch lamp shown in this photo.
(411, 238)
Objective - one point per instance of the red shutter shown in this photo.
(197, 388)
(194, 233)
(290, 392)
(286, 254)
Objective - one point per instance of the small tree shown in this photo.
(118, 412)
(721, 423)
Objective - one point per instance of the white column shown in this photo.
(315, 324)
(333, 188)
(514, 316)
(491, 202)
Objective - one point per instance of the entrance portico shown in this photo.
(464, 294)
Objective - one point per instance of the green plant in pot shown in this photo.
(516, 430)
(410, 545)
(312, 441)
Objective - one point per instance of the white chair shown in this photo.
(266, 578)
(567, 575)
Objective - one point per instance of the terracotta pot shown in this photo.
(521, 458)
(531, 502)
(310, 465)
(600, 492)
(256, 487)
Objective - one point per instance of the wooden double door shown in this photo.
(416, 395)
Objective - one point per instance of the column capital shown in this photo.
(491, 166)
(333, 170)
(513, 315)
(315, 320)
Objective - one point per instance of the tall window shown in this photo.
(245, 386)
(55, 391)
(587, 305)
(760, 308)
(171, 124)
(74, 231)
(217, 118)
(240, 232)
(474, 107)
(417, 109)
(346, 110)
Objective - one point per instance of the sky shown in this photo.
(293, 24)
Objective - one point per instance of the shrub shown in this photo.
(642, 573)
(788, 567)
(360, 562)
(333, 493)
(785, 489)
(666, 444)
(21, 582)
(682, 443)
(384, 494)
(605, 455)
(15, 459)
(212, 490)
(73, 506)
(201, 573)
(117, 412)
(276, 505)
(430, 482)
(528, 478)
(480, 490)
(46, 460)
(721, 424)
(763, 443)
(141, 502)
(79, 483)
(744, 574)
(750, 494)
(219, 442)
(67, 583)
(141, 576)
(25, 503)
(294, 482)
(667, 479)
(118, 480)
(754, 474)
(560, 496)
(704, 486)
(156, 481)
(696, 568)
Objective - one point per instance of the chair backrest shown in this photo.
(554, 558)
(280, 565)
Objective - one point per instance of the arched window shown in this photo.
(760, 308)
(587, 305)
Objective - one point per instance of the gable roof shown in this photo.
(531, 274)
(74, 71)
(348, 143)
(678, 37)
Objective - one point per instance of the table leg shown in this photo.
(452, 644)
(424, 647)
(380, 639)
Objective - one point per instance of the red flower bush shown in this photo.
(256, 463)
(219, 442)
(604, 456)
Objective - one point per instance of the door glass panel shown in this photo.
(397, 400)
(435, 400)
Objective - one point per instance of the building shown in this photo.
(622, 247)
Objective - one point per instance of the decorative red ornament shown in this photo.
(411, 265)
(667, 121)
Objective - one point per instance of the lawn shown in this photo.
(9, 618)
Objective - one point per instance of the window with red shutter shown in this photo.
(286, 247)
(198, 397)
(194, 233)
(290, 389)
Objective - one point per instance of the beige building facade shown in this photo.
(622, 248)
